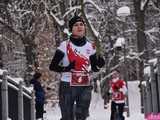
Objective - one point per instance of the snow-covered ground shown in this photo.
(97, 111)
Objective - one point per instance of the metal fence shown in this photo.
(16, 103)
(151, 89)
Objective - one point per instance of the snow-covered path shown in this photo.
(97, 111)
(134, 101)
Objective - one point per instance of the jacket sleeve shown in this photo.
(124, 88)
(97, 62)
(55, 63)
(56, 60)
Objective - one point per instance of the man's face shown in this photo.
(115, 74)
(78, 29)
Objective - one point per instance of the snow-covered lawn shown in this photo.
(97, 111)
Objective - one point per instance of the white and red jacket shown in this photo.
(118, 90)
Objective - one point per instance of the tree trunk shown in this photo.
(31, 56)
(141, 38)
(1, 61)
(141, 41)
(154, 91)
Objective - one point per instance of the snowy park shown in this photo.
(67, 51)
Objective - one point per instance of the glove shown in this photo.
(69, 67)
(100, 61)
(109, 94)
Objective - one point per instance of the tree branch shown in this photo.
(11, 28)
(95, 35)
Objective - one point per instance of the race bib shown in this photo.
(80, 78)
(118, 96)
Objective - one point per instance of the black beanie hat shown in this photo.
(73, 20)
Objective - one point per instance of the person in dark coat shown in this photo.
(39, 94)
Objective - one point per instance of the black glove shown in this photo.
(108, 94)
(96, 62)
(100, 61)
(69, 67)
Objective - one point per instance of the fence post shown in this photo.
(154, 91)
(158, 80)
(20, 102)
(148, 95)
(33, 116)
(4, 89)
(143, 87)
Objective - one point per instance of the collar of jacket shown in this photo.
(78, 41)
